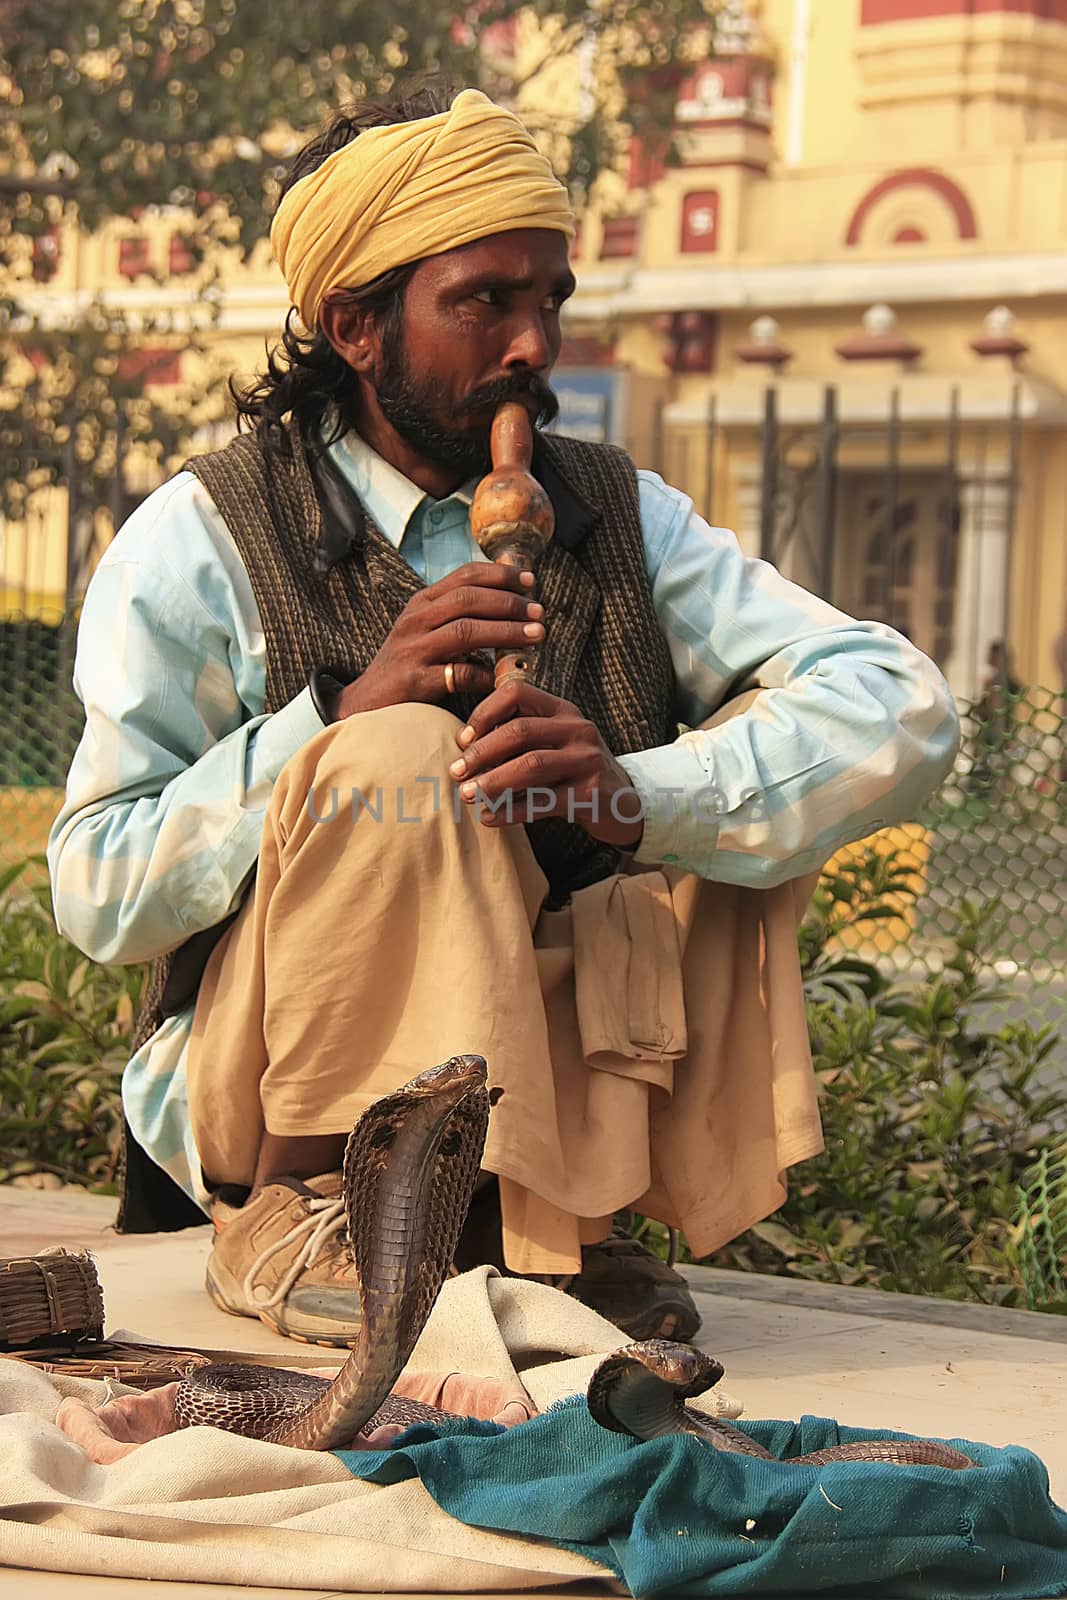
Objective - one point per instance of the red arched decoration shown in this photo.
(916, 177)
(909, 235)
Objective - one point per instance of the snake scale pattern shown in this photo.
(409, 1173)
(642, 1390)
(410, 1167)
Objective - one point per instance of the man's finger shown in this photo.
(484, 575)
(534, 769)
(467, 634)
(466, 677)
(508, 741)
(474, 600)
(513, 700)
(528, 807)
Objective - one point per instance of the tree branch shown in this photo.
(62, 189)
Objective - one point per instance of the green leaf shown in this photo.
(853, 1236)
(34, 991)
(779, 1238)
(10, 874)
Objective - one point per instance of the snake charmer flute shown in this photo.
(511, 515)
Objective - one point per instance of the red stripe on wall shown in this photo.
(918, 10)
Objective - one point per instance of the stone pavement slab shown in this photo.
(789, 1347)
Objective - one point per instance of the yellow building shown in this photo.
(840, 321)
(852, 298)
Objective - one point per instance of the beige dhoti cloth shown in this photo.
(650, 1038)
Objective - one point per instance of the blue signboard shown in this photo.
(588, 402)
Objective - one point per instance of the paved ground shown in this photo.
(866, 1358)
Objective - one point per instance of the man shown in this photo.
(351, 857)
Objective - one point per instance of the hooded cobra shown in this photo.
(409, 1172)
(642, 1390)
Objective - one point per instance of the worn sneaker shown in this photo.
(634, 1289)
(284, 1258)
(620, 1278)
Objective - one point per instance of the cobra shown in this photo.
(410, 1167)
(642, 1389)
(409, 1173)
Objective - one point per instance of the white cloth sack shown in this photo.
(206, 1506)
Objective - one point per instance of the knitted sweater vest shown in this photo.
(329, 587)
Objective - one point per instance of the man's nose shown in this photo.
(530, 346)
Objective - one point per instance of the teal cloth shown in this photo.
(675, 1515)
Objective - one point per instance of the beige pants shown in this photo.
(650, 1039)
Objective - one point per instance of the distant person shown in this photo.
(994, 716)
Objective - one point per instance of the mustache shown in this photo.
(514, 387)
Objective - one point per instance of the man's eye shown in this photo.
(488, 297)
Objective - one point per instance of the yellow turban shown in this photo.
(409, 190)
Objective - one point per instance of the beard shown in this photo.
(412, 406)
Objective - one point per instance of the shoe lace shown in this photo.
(324, 1222)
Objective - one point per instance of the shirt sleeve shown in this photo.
(161, 824)
(856, 728)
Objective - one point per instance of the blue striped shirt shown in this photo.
(159, 833)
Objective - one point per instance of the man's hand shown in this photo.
(481, 606)
(527, 754)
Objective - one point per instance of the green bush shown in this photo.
(65, 1025)
(937, 1177)
(933, 1118)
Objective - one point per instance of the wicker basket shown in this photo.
(41, 1297)
(52, 1317)
(139, 1366)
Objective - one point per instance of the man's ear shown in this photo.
(353, 333)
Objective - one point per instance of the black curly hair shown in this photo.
(305, 377)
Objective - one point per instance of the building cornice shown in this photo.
(638, 291)
(921, 398)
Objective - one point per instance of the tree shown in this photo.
(120, 105)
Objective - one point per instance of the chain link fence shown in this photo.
(995, 833)
(999, 832)
(40, 725)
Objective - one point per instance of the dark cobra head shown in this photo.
(641, 1389)
(685, 1368)
(422, 1116)
(451, 1080)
